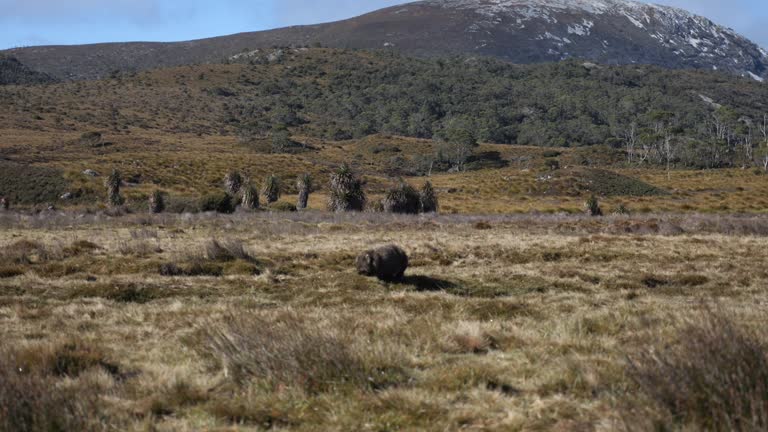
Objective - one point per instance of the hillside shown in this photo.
(181, 129)
(520, 31)
(12, 72)
(341, 95)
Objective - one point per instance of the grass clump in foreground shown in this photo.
(34, 398)
(284, 352)
(714, 377)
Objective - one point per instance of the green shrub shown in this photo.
(346, 191)
(219, 202)
(622, 210)
(304, 185)
(271, 189)
(113, 183)
(29, 184)
(250, 199)
(428, 198)
(233, 181)
(156, 202)
(282, 206)
(403, 198)
(552, 164)
(593, 206)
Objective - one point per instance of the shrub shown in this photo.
(170, 269)
(32, 402)
(622, 210)
(156, 202)
(219, 202)
(552, 164)
(195, 268)
(715, 377)
(281, 141)
(593, 207)
(92, 139)
(227, 250)
(113, 183)
(29, 184)
(283, 206)
(233, 181)
(346, 191)
(402, 199)
(375, 206)
(282, 352)
(9, 271)
(271, 189)
(428, 198)
(250, 199)
(31, 398)
(177, 204)
(304, 185)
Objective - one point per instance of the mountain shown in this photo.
(12, 72)
(520, 31)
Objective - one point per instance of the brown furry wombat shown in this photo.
(387, 263)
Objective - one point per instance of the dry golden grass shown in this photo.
(525, 324)
(182, 165)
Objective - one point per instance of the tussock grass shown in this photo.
(525, 325)
(33, 399)
(226, 250)
(713, 377)
(283, 351)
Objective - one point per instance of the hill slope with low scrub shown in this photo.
(709, 119)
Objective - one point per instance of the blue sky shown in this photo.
(43, 22)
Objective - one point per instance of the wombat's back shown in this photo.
(387, 263)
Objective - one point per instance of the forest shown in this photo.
(678, 117)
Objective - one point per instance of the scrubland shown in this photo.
(258, 321)
(517, 313)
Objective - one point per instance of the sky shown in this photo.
(53, 22)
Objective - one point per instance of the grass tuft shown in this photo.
(283, 352)
(714, 377)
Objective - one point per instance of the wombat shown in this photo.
(387, 263)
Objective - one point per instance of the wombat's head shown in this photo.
(364, 264)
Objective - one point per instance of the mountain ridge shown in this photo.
(520, 31)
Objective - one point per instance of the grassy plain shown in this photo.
(503, 323)
(183, 166)
(524, 318)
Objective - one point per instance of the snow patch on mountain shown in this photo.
(692, 38)
(756, 77)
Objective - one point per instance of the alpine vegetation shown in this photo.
(403, 198)
(304, 185)
(113, 183)
(250, 196)
(346, 191)
(428, 198)
(271, 189)
(592, 207)
(233, 181)
(156, 202)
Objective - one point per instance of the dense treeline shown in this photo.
(690, 118)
